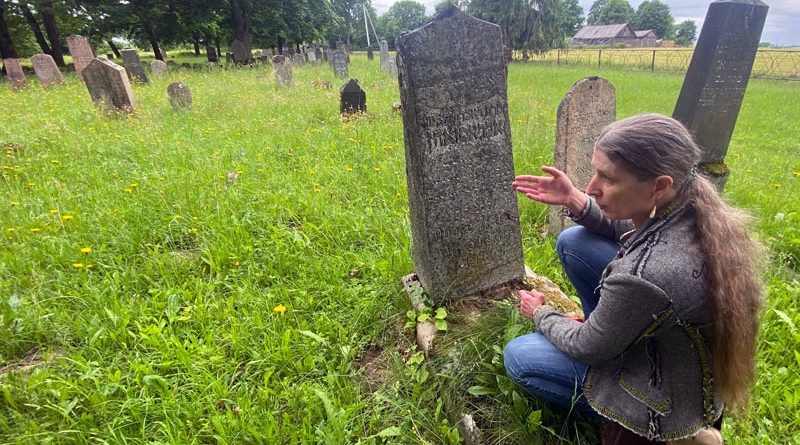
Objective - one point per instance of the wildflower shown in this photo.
(134, 185)
(349, 169)
(78, 265)
(777, 186)
(377, 169)
(67, 217)
(279, 309)
(14, 203)
(128, 191)
(35, 230)
(10, 229)
(53, 211)
(86, 250)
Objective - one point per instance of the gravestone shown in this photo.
(133, 65)
(312, 56)
(283, 70)
(158, 67)
(459, 161)
(391, 67)
(318, 54)
(180, 96)
(211, 54)
(298, 59)
(171, 64)
(264, 59)
(353, 98)
(589, 106)
(339, 64)
(384, 53)
(109, 86)
(714, 87)
(15, 73)
(328, 55)
(81, 52)
(46, 70)
(370, 54)
(241, 55)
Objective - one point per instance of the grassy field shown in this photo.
(231, 274)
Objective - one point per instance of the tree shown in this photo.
(444, 4)
(7, 49)
(570, 17)
(652, 14)
(407, 14)
(525, 24)
(349, 12)
(685, 33)
(611, 12)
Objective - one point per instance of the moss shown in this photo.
(716, 169)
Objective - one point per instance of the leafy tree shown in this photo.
(610, 12)
(685, 33)
(444, 4)
(47, 12)
(570, 17)
(655, 15)
(407, 14)
(349, 11)
(525, 24)
(7, 48)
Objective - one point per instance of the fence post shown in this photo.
(558, 60)
(653, 63)
(599, 55)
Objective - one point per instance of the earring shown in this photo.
(653, 212)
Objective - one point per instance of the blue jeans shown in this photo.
(531, 360)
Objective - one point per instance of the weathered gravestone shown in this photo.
(328, 55)
(241, 55)
(589, 106)
(391, 67)
(158, 67)
(311, 55)
(46, 70)
(298, 59)
(714, 87)
(81, 52)
(283, 70)
(133, 65)
(353, 98)
(459, 162)
(180, 96)
(384, 53)
(370, 54)
(15, 73)
(109, 86)
(318, 54)
(211, 54)
(340, 64)
(264, 59)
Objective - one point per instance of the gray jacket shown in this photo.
(648, 341)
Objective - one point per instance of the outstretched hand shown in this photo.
(529, 301)
(556, 189)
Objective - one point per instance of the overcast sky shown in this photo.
(782, 27)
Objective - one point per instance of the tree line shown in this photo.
(29, 27)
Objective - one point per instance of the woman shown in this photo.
(667, 275)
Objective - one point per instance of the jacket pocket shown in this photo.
(643, 381)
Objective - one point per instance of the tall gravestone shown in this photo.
(211, 54)
(352, 98)
(459, 162)
(241, 55)
(47, 71)
(384, 53)
(283, 70)
(81, 52)
(714, 87)
(180, 96)
(133, 65)
(158, 67)
(109, 86)
(370, 54)
(15, 73)
(318, 54)
(589, 106)
(340, 64)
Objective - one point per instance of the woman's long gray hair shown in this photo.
(652, 145)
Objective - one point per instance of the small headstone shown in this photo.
(15, 73)
(589, 106)
(391, 67)
(158, 67)
(211, 54)
(340, 64)
(133, 65)
(264, 59)
(318, 54)
(714, 87)
(180, 96)
(328, 55)
(46, 70)
(384, 53)
(312, 56)
(298, 59)
(459, 162)
(370, 54)
(283, 70)
(109, 86)
(353, 98)
(81, 52)
(240, 53)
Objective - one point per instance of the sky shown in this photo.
(782, 27)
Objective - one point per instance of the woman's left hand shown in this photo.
(529, 301)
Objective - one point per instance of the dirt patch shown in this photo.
(35, 358)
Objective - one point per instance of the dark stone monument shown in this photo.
(46, 70)
(81, 52)
(370, 54)
(340, 64)
(180, 96)
(109, 86)
(283, 70)
(353, 98)
(133, 65)
(715, 83)
(459, 162)
(15, 73)
(589, 106)
(241, 55)
(211, 54)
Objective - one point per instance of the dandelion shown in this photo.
(796, 174)
(86, 250)
(134, 185)
(349, 169)
(78, 265)
(376, 169)
(777, 186)
(279, 309)
(35, 230)
(67, 217)
(14, 203)
(128, 191)
(10, 230)
(53, 211)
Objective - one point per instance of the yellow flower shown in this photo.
(349, 169)
(67, 217)
(10, 229)
(53, 211)
(280, 309)
(14, 203)
(36, 230)
(377, 169)
(134, 184)
(128, 191)
(77, 265)
(86, 250)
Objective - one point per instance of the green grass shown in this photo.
(167, 331)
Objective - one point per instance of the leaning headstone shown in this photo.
(714, 87)
(384, 53)
(353, 98)
(464, 216)
(133, 65)
(180, 96)
(15, 73)
(158, 67)
(46, 70)
(211, 54)
(240, 53)
(81, 52)
(370, 54)
(339, 64)
(109, 86)
(298, 59)
(589, 106)
(283, 70)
